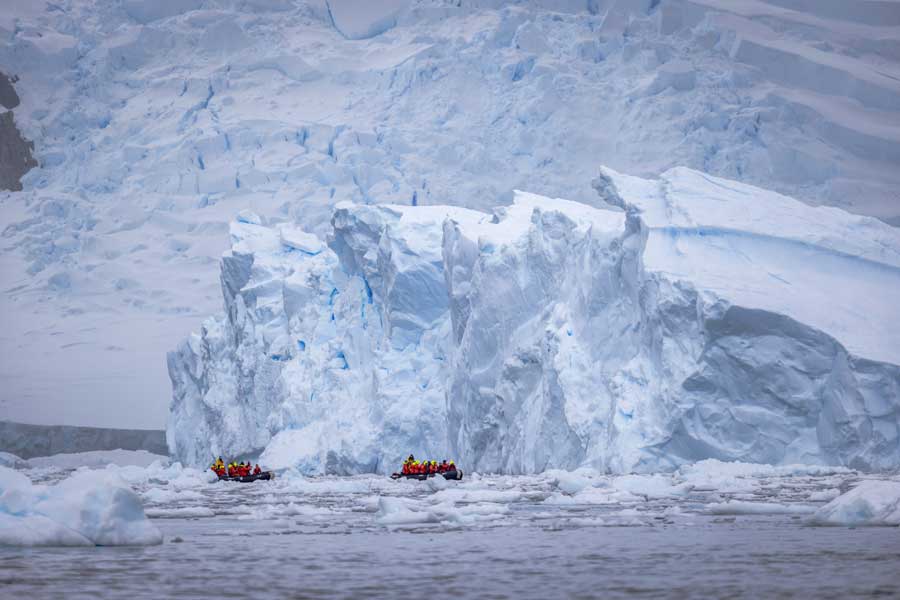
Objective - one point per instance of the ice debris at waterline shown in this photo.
(90, 508)
(684, 318)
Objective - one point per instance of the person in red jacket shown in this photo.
(257, 470)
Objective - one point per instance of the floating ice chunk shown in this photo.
(292, 481)
(437, 483)
(713, 469)
(652, 486)
(291, 509)
(186, 512)
(737, 507)
(164, 495)
(174, 475)
(469, 513)
(735, 477)
(571, 482)
(464, 495)
(594, 496)
(393, 511)
(369, 504)
(591, 522)
(870, 503)
(89, 508)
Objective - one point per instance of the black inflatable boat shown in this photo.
(452, 475)
(264, 476)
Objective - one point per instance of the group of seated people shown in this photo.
(413, 467)
(234, 469)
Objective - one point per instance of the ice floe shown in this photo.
(870, 503)
(89, 508)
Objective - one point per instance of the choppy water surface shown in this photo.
(557, 535)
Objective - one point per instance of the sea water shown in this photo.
(579, 535)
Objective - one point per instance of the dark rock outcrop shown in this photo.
(15, 154)
(16, 157)
(9, 99)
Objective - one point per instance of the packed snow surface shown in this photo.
(689, 318)
(156, 122)
(89, 508)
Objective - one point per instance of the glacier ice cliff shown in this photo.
(154, 122)
(692, 317)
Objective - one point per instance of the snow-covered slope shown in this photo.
(708, 319)
(155, 123)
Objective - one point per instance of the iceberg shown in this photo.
(681, 319)
(90, 508)
(155, 121)
(873, 503)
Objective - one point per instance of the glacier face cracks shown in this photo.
(702, 321)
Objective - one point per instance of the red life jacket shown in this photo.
(257, 470)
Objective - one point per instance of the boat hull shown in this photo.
(264, 476)
(451, 475)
